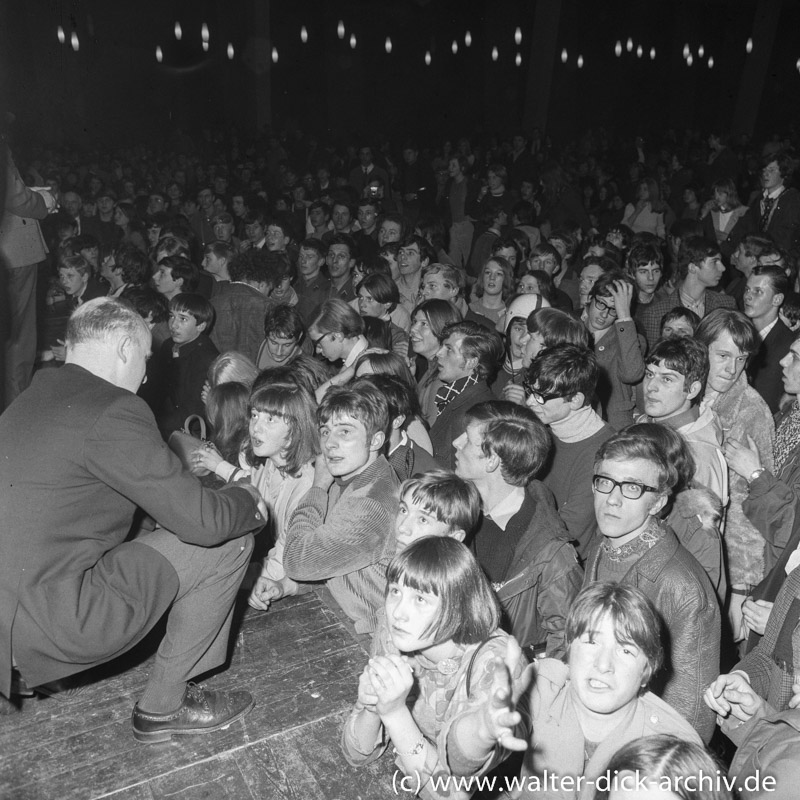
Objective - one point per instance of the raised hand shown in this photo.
(499, 716)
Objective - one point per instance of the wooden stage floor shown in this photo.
(301, 661)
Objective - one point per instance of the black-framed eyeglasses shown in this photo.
(601, 306)
(632, 490)
(316, 342)
(540, 398)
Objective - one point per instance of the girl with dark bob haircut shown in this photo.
(442, 679)
(469, 610)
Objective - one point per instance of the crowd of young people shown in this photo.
(533, 422)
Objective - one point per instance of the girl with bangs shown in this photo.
(284, 441)
(582, 710)
(278, 459)
(443, 679)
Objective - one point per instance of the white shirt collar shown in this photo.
(764, 332)
(502, 511)
(358, 348)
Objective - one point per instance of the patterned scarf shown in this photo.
(787, 437)
(449, 391)
(649, 537)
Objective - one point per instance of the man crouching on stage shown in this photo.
(80, 451)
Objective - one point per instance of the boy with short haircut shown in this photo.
(406, 456)
(183, 361)
(283, 275)
(79, 285)
(341, 531)
(674, 381)
(175, 275)
(521, 544)
(242, 305)
(437, 503)
(632, 481)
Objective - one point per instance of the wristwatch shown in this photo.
(755, 473)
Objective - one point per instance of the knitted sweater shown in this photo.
(345, 536)
(570, 480)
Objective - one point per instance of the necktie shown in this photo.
(768, 203)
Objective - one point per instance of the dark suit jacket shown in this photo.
(449, 425)
(80, 455)
(180, 381)
(763, 370)
(21, 240)
(784, 223)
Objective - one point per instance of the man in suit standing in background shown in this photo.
(22, 247)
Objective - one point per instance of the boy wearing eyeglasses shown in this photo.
(619, 348)
(632, 482)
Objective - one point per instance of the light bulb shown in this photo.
(205, 47)
(353, 41)
(689, 61)
(495, 54)
(61, 35)
(159, 54)
(518, 59)
(303, 34)
(467, 38)
(618, 48)
(427, 58)
(711, 62)
(749, 46)
(204, 32)
(76, 45)
(639, 51)
(178, 31)
(701, 51)
(274, 55)
(629, 44)
(580, 62)
(686, 50)
(564, 56)
(340, 29)
(230, 51)
(652, 54)
(388, 45)
(518, 36)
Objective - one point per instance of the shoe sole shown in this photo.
(153, 737)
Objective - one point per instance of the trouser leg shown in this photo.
(461, 242)
(20, 350)
(198, 623)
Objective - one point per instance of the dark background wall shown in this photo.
(114, 91)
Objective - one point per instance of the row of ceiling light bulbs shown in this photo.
(340, 31)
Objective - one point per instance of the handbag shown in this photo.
(183, 443)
